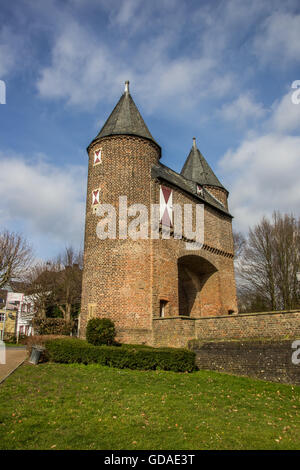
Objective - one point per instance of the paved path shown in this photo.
(14, 357)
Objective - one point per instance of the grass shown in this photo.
(57, 406)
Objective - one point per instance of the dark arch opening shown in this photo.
(193, 272)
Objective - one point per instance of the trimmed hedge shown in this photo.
(70, 350)
(40, 340)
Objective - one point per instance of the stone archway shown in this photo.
(193, 273)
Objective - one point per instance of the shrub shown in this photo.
(40, 340)
(10, 338)
(79, 351)
(100, 331)
(52, 326)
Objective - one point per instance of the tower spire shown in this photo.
(125, 119)
(197, 169)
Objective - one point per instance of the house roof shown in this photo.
(165, 173)
(198, 170)
(125, 119)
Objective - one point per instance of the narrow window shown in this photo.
(162, 308)
(91, 311)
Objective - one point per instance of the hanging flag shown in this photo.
(96, 197)
(97, 156)
(166, 206)
(199, 190)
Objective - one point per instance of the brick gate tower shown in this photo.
(154, 289)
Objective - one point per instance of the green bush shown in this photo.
(52, 326)
(36, 340)
(70, 350)
(100, 331)
(10, 338)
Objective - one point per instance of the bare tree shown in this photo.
(39, 285)
(269, 263)
(56, 283)
(15, 257)
(239, 242)
(67, 281)
(287, 258)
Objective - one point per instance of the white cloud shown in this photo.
(262, 173)
(126, 11)
(286, 114)
(278, 41)
(241, 109)
(10, 45)
(174, 56)
(85, 71)
(82, 69)
(263, 176)
(46, 200)
(6, 60)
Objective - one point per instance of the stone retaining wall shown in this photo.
(250, 325)
(266, 360)
(177, 331)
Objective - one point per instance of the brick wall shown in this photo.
(117, 272)
(173, 332)
(267, 360)
(207, 275)
(126, 280)
(218, 193)
(176, 331)
(252, 325)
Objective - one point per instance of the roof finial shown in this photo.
(127, 86)
(194, 142)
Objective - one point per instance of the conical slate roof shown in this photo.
(125, 119)
(197, 169)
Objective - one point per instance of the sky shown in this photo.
(220, 71)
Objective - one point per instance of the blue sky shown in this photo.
(218, 70)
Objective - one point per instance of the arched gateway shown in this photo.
(193, 273)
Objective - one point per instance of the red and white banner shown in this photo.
(95, 197)
(97, 156)
(166, 206)
(199, 190)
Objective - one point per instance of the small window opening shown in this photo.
(91, 311)
(162, 308)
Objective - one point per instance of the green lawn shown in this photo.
(55, 406)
